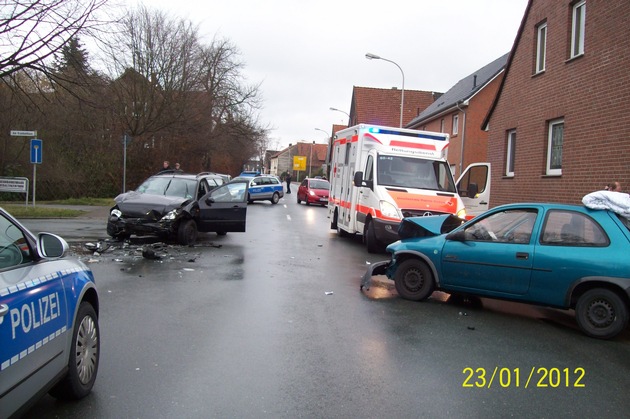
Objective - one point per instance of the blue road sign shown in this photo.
(36, 151)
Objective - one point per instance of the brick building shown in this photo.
(382, 106)
(559, 127)
(460, 112)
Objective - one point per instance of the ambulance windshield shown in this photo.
(409, 172)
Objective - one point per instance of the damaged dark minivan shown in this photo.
(176, 206)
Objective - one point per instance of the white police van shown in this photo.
(49, 333)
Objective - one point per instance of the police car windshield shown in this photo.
(408, 172)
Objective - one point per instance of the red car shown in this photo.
(313, 191)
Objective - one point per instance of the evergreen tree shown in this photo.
(73, 56)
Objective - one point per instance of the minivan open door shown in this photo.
(474, 188)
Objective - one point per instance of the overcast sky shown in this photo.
(309, 55)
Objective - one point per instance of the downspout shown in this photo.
(461, 161)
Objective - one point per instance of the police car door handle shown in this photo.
(4, 309)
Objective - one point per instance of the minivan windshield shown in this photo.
(409, 172)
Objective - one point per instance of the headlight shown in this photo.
(462, 213)
(116, 213)
(170, 216)
(388, 210)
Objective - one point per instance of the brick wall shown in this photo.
(591, 93)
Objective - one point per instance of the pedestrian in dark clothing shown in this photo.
(288, 179)
(165, 166)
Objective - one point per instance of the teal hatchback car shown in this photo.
(554, 255)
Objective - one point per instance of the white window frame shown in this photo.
(510, 153)
(541, 47)
(577, 29)
(455, 124)
(555, 171)
(442, 125)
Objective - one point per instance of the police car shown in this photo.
(49, 333)
(262, 188)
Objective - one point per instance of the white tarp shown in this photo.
(617, 202)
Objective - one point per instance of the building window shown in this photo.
(455, 124)
(510, 153)
(554, 147)
(442, 125)
(577, 29)
(541, 47)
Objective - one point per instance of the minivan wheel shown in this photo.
(187, 232)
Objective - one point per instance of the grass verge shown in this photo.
(45, 210)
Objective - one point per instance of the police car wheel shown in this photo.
(275, 198)
(83, 358)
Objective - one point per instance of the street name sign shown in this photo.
(23, 133)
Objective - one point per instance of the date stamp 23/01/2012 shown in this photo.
(539, 377)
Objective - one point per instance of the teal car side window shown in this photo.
(511, 226)
(570, 228)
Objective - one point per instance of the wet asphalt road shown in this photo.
(271, 323)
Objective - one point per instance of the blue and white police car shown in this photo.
(49, 333)
(262, 188)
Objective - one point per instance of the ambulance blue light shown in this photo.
(374, 130)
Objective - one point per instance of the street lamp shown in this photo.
(370, 56)
(310, 160)
(339, 110)
(290, 169)
(325, 132)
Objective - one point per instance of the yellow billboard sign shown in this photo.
(299, 163)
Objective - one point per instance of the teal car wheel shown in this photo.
(414, 280)
(601, 313)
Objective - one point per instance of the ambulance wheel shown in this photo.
(371, 242)
(84, 356)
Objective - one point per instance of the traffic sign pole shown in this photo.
(36, 158)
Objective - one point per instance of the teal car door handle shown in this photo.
(522, 255)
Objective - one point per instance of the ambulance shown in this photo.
(379, 175)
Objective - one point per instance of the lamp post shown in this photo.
(328, 145)
(310, 160)
(343, 112)
(370, 56)
(290, 168)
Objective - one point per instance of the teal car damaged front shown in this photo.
(554, 255)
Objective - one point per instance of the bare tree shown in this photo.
(151, 62)
(32, 32)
